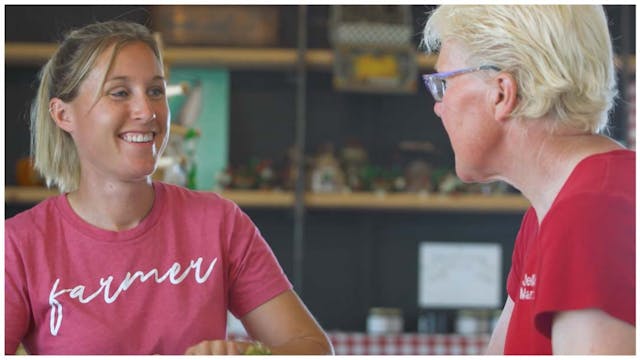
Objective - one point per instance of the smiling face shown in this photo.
(467, 115)
(120, 127)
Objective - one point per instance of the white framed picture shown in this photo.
(459, 275)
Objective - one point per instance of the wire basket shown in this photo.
(372, 48)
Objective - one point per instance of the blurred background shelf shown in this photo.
(36, 53)
(27, 194)
(356, 201)
(257, 198)
(412, 201)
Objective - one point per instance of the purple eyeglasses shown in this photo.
(436, 83)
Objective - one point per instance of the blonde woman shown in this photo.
(118, 263)
(524, 94)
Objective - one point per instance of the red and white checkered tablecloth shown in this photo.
(407, 344)
(352, 343)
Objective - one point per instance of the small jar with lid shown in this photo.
(467, 322)
(385, 321)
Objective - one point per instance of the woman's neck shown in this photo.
(111, 205)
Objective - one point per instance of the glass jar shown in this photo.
(467, 322)
(385, 321)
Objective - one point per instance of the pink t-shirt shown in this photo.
(165, 285)
(582, 256)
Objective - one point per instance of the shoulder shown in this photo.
(619, 162)
(34, 216)
(600, 184)
(600, 219)
(595, 211)
(597, 227)
(33, 223)
(612, 172)
(599, 206)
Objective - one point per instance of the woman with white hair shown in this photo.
(524, 94)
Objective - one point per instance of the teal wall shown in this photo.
(212, 148)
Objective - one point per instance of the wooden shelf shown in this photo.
(26, 194)
(345, 201)
(32, 53)
(247, 58)
(22, 53)
(411, 201)
(35, 53)
(260, 199)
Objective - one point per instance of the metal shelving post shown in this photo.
(300, 136)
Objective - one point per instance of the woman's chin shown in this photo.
(141, 174)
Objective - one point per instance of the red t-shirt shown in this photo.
(165, 285)
(581, 256)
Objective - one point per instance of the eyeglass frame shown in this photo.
(437, 88)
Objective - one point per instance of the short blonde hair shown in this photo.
(53, 149)
(560, 56)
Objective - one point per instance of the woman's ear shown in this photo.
(506, 96)
(59, 111)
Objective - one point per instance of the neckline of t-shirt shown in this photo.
(103, 235)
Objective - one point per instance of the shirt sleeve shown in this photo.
(589, 257)
(16, 303)
(255, 276)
